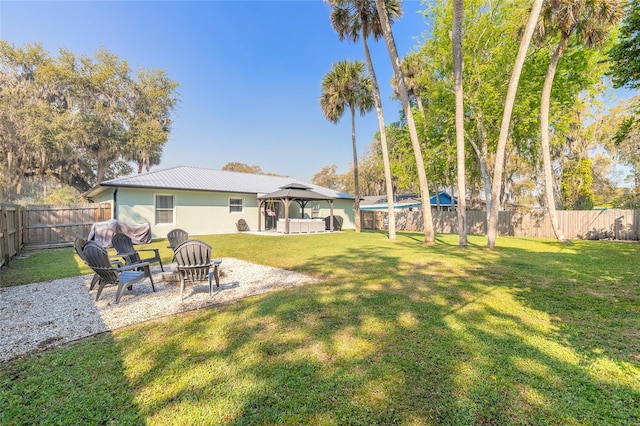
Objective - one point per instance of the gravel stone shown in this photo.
(38, 316)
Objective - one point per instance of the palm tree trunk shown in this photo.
(383, 141)
(496, 184)
(460, 151)
(420, 107)
(356, 183)
(544, 136)
(481, 151)
(429, 235)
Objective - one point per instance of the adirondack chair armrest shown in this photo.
(116, 263)
(125, 254)
(115, 259)
(150, 249)
(134, 266)
(151, 258)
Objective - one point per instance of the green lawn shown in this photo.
(534, 332)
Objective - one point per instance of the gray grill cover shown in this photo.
(102, 232)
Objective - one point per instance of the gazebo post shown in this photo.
(287, 203)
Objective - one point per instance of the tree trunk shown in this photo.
(101, 169)
(356, 183)
(383, 142)
(480, 149)
(429, 235)
(460, 151)
(492, 225)
(419, 103)
(544, 136)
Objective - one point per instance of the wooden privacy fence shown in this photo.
(45, 226)
(10, 232)
(575, 224)
(50, 226)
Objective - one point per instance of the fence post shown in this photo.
(20, 230)
(4, 231)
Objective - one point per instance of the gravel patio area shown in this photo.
(34, 317)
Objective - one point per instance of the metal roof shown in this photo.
(203, 179)
(297, 191)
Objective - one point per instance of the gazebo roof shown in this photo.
(296, 191)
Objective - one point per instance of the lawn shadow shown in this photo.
(47, 382)
(389, 338)
(513, 355)
(60, 386)
(401, 333)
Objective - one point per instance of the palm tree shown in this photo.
(496, 184)
(353, 19)
(412, 66)
(347, 85)
(458, 15)
(429, 234)
(590, 20)
(146, 160)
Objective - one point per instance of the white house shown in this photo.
(204, 201)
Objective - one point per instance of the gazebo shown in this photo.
(293, 192)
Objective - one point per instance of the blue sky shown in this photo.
(249, 72)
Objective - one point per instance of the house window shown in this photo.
(164, 209)
(236, 205)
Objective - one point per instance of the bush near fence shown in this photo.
(602, 224)
(46, 226)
